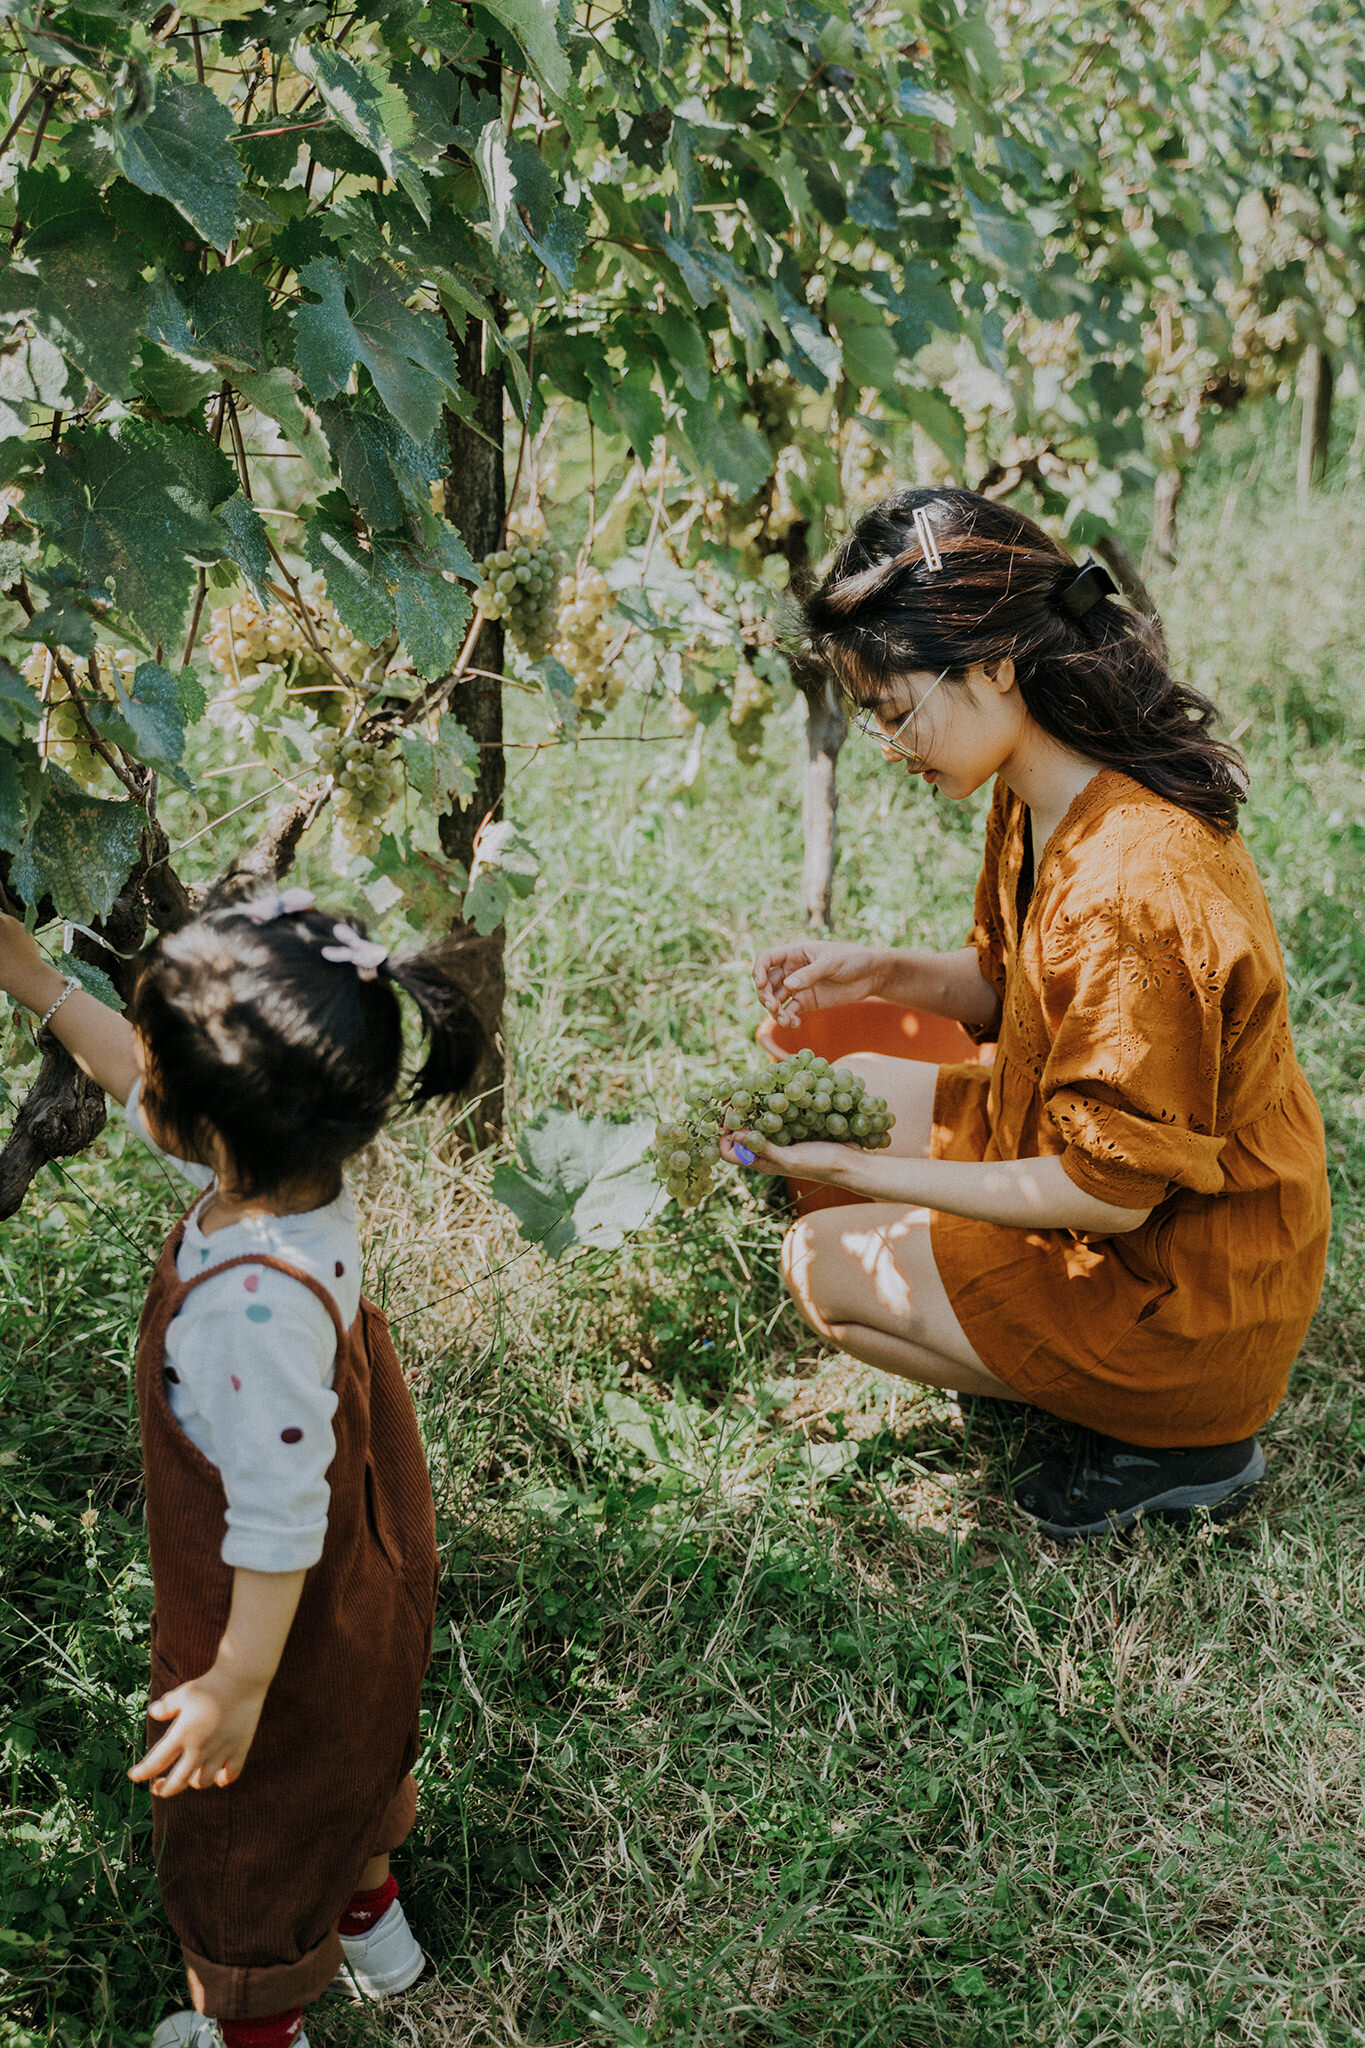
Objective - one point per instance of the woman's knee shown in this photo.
(804, 1258)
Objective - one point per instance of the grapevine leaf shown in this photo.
(354, 583)
(384, 471)
(630, 405)
(93, 980)
(147, 720)
(446, 546)
(560, 687)
(87, 300)
(430, 613)
(940, 420)
(198, 472)
(80, 850)
(361, 319)
(579, 1180)
(504, 869)
(364, 99)
(174, 387)
(533, 25)
(276, 393)
(13, 819)
(181, 151)
(125, 517)
(245, 542)
(194, 700)
(32, 372)
(228, 315)
(734, 453)
(444, 770)
(63, 624)
(20, 710)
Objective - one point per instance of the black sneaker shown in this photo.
(1097, 1485)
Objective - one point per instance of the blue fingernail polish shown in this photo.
(744, 1155)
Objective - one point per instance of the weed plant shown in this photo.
(754, 1717)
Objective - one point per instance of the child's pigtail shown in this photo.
(456, 1041)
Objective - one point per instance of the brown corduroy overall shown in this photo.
(254, 1877)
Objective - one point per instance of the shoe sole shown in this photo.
(1177, 1504)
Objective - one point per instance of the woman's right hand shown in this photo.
(815, 974)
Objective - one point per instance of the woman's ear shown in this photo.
(997, 675)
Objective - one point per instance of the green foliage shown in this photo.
(752, 1717)
(733, 242)
(579, 1180)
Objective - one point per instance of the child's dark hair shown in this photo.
(291, 1058)
(1098, 683)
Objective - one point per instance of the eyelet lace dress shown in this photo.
(1143, 1036)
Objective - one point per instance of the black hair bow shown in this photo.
(1086, 588)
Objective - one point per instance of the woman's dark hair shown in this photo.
(1098, 682)
(292, 1059)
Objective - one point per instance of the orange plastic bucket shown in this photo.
(872, 1026)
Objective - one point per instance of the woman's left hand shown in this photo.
(818, 1160)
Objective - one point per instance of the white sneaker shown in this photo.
(193, 2030)
(383, 1962)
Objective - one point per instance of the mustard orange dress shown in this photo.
(1143, 1036)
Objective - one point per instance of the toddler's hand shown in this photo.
(213, 1722)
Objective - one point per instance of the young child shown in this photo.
(289, 1511)
(1123, 1217)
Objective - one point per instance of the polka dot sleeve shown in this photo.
(249, 1363)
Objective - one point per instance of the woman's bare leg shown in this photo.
(865, 1279)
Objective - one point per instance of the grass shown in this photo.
(754, 1717)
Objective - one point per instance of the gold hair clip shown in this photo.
(928, 545)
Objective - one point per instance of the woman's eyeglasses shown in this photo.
(869, 723)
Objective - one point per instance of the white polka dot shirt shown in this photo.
(249, 1363)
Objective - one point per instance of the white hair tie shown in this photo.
(351, 950)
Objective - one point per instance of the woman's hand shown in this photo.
(213, 1723)
(815, 974)
(820, 1159)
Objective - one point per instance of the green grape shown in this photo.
(584, 640)
(367, 778)
(789, 1104)
(518, 586)
(65, 735)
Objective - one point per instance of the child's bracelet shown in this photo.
(50, 1012)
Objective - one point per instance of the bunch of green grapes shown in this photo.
(243, 639)
(65, 738)
(750, 702)
(585, 639)
(368, 779)
(519, 586)
(791, 1102)
(773, 397)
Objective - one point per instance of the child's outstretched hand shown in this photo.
(213, 1721)
(24, 973)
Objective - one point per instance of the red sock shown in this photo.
(280, 2031)
(365, 1909)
